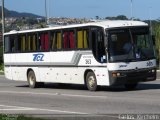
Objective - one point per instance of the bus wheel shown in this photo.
(91, 81)
(32, 79)
(131, 86)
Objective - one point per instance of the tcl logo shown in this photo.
(38, 57)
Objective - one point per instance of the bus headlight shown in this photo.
(153, 71)
(116, 74)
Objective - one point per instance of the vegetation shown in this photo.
(9, 13)
(1, 58)
(156, 32)
(19, 117)
(119, 17)
(25, 23)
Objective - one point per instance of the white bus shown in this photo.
(103, 53)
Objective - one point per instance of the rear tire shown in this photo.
(91, 81)
(32, 79)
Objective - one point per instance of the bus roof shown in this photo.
(105, 24)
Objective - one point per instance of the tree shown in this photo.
(97, 17)
(157, 37)
(119, 17)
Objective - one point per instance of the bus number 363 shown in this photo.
(88, 61)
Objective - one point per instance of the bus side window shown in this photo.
(80, 39)
(53, 40)
(28, 43)
(68, 39)
(21, 43)
(13, 43)
(65, 40)
(10, 45)
(23, 40)
(43, 41)
(83, 39)
(31, 42)
(86, 39)
(34, 39)
(58, 40)
(7, 44)
(46, 43)
(72, 40)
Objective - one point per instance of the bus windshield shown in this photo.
(130, 44)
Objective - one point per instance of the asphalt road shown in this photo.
(75, 101)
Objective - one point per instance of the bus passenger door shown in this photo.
(98, 47)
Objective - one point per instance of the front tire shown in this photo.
(91, 81)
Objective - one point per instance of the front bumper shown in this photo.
(132, 76)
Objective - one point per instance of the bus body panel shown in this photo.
(102, 76)
(60, 70)
(8, 72)
(133, 72)
(131, 65)
(7, 68)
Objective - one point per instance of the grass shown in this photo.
(1, 69)
(1, 73)
(1, 66)
(18, 117)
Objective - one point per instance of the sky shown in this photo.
(142, 9)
